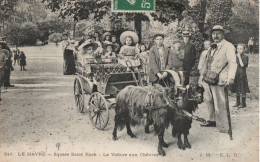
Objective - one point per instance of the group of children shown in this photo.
(240, 86)
(131, 54)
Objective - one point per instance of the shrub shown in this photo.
(23, 34)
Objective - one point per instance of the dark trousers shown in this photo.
(7, 77)
(186, 77)
(251, 49)
(15, 61)
(22, 67)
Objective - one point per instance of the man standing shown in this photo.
(158, 59)
(221, 59)
(8, 64)
(189, 55)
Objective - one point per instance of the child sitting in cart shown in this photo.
(127, 54)
(109, 50)
(106, 37)
(86, 54)
(109, 54)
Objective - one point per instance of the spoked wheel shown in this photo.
(98, 110)
(79, 95)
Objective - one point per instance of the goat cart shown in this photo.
(96, 85)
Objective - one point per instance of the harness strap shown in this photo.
(191, 116)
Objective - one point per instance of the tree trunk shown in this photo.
(138, 25)
(3, 24)
(74, 28)
(203, 4)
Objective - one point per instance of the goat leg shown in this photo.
(129, 131)
(115, 131)
(164, 144)
(160, 149)
(180, 144)
(146, 129)
(186, 141)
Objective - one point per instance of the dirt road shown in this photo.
(39, 121)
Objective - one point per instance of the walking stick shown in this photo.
(228, 113)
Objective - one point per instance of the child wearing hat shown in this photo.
(106, 37)
(128, 51)
(109, 50)
(86, 54)
(240, 86)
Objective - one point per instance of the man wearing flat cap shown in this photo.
(189, 55)
(158, 59)
(220, 59)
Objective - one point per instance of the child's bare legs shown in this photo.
(176, 78)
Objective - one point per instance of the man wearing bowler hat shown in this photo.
(220, 59)
(189, 55)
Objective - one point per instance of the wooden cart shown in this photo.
(100, 82)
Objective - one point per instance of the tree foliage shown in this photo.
(166, 11)
(220, 12)
(25, 33)
(7, 8)
(244, 23)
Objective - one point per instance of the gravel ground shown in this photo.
(39, 122)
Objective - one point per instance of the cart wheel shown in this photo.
(79, 95)
(98, 110)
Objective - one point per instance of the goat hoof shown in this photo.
(165, 145)
(147, 131)
(181, 146)
(161, 152)
(115, 138)
(132, 135)
(187, 145)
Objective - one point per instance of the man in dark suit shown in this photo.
(189, 55)
(8, 64)
(158, 59)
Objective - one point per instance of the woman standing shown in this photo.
(22, 58)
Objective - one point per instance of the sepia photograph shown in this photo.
(129, 80)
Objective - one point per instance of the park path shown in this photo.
(39, 115)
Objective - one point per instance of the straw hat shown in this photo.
(217, 27)
(131, 34)
(104, 35)
(88, 43)
(109, 44)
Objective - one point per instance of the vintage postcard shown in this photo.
(129, 80)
